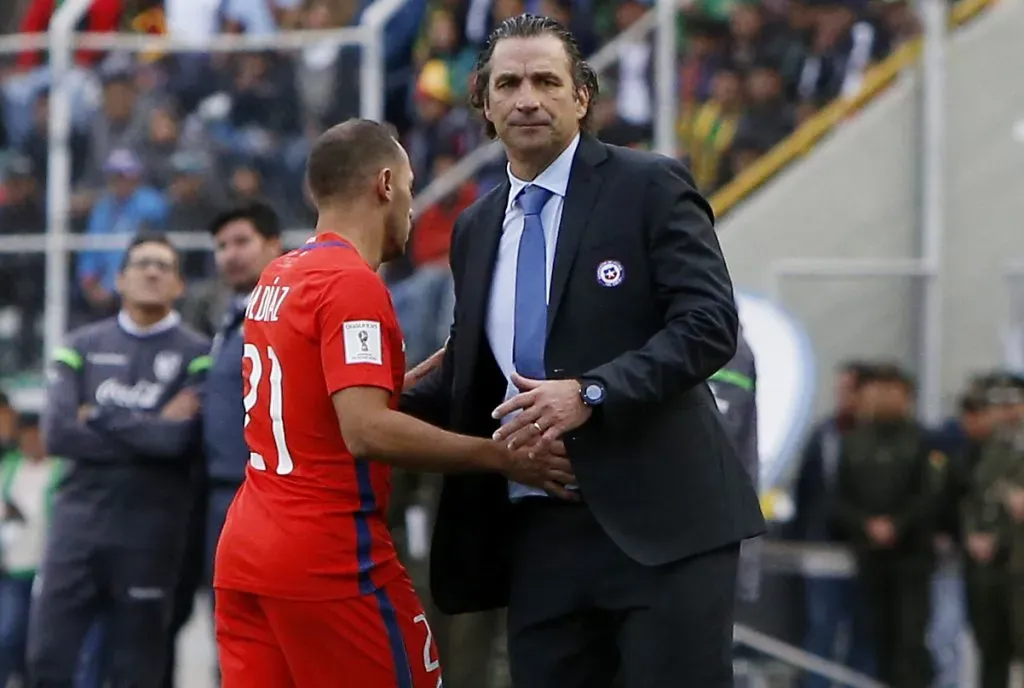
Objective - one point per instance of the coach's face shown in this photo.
(395, 186)
(150, 278)
(531, 97)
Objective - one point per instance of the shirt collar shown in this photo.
(168, 322)
(554, 178)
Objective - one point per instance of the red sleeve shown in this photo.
(36, 20)
(356, 322)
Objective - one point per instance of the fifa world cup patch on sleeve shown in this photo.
(362, 342)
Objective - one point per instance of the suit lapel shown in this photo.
(485, 235)
(580, 196)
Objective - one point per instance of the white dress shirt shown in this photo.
(500, 325)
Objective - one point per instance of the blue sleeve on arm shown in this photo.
(65, 436)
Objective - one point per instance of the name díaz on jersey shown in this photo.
(266, 302)
(143, 395)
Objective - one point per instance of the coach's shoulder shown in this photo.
(667, 179)
(484, 201)
(654, 166)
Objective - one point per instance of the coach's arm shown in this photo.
(691, 280)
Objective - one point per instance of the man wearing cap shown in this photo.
(989, 534)
(193, 197)
(126, 208)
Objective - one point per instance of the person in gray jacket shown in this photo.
(122, 408)
(735, 387)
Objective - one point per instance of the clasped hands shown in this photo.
(536, 456)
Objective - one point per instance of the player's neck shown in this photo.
(360, 232)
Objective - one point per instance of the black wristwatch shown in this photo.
(591, 392)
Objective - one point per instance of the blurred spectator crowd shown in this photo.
(161, 141)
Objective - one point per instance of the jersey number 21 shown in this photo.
(284, 457)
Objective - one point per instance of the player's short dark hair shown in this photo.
(584, 77)
(346, 156)
(262, 216)
(150, 238)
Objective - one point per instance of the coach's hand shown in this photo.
(549, 408)
(546, 467)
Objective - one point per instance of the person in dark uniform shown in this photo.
(123, 409)
(986, 534)
(735, 390)
(830, 602)
(888, 491)
(246, 239)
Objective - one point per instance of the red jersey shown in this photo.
(309, 522)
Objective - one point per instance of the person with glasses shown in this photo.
(123, 409)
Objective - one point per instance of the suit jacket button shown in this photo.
(558, 371)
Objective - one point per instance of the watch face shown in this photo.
(593, 393)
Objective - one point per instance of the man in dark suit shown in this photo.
(592, 303)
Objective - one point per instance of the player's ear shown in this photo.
(386, 184)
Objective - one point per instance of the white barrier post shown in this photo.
(373, 67)
(58, 186)
(666, 105)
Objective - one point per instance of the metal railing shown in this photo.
(61, 41)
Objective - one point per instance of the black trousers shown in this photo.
(132, 587)
(581, 611)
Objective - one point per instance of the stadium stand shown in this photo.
(187, 133)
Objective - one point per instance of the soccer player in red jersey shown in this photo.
(309, 590)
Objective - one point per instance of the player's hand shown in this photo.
(549, 408)
(546, 467)
(183, 406)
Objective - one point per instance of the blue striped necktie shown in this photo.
(531, 307)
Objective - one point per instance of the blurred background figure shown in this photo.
(889, 485)
(833, 628)
(28, 478)
(792, 116)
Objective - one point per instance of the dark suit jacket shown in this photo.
(653, 462)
